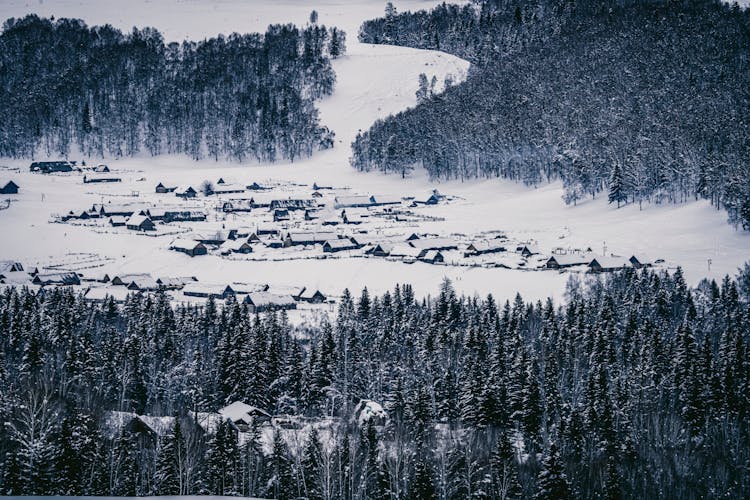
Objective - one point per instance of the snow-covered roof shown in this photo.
(610, 262)
(340, 244)
(143, 283)
(310, 292)
(431, 255)
(382, 199)
(366, 410)
(292, 290)
(234, 245)
(433, 243)
(10, 265)
(487, 245)
(268, 299)
(352, 201)
(137, 220)
(184, 244)
(570, 259)
(15, 277)
(405, 251)
(241, 412)
(311, 237)
(205, 289)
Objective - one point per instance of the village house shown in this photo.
(185, 192)
(8, 187)
(292, 204)
(405, 252)
(48, 167)
(162, 188)
(206, 290)
(216, 237)
(15, 278)
(109, 210)
(281, 215)
(317, 194)
(601, 264)
(243, 415)
(316, 187)
(140, 223)
(143, 283)
(190, 247)
(10, 266)
(639, 263)
(380, 249)
(175, 283)
(484, 247)
(353, 201)
(67, 278)
(294, 291)
(354, 215)
(567, 260)
(101, 168)
(529, 250)
(265, 230)
(225, 188)
(89, 179)
(237, 206)
(173, 215)
(127, 278)
(98, 278)
(432, 256)
(117, 221)
(339, 245)
(235, 246)
(380, 200)
(308, 238)
(434, 244)
(255, 187)
(265, 301)
(312, 296)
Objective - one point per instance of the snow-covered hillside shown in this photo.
(372, 82)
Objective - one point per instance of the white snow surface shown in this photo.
(372, 82)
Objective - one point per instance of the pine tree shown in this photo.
(311, 466)
(282, 481)
(552, 484)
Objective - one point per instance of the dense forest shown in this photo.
(641, 100)
(64, 85)
(636, 387)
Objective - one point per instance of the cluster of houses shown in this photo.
(137, 217)
(258, 297)
(242, 418)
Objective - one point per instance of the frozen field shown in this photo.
(372, 82)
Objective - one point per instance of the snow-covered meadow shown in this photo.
(372, 82)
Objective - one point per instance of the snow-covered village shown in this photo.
(375, 250)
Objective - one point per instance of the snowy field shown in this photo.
(372, 82)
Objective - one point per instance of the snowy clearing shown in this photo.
(372, 82)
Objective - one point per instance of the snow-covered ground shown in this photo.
(372, 82)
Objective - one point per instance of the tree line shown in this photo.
(638, 100)
(636, 387)
(66, 87)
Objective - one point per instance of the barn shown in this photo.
(10, 266)
(8, 187)
(89, 179)
(243, 415)
(353, 201)
(434, 244)
(140, 223)
(190, 247)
